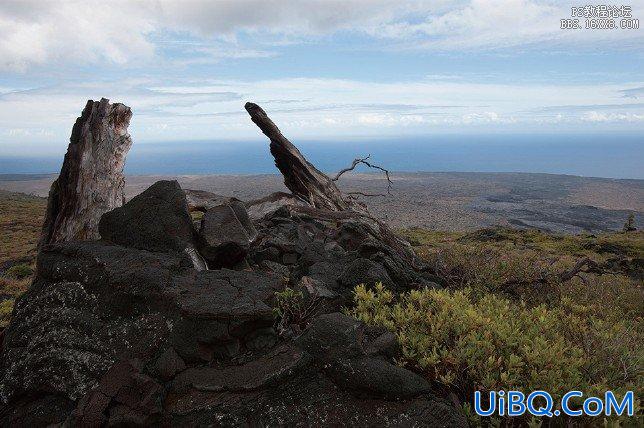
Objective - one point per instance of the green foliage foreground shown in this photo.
(466, 342)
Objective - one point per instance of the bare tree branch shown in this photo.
(355, 163)
(365, 194)
(364, 161)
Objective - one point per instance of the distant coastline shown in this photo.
(598, 155)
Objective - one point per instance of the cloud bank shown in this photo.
(319, 108)
(37, 33)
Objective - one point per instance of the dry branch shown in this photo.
(364, 161)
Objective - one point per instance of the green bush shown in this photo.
(468, 341)
(19, 271)
(288, 302)
(292, 309)
(489, 344)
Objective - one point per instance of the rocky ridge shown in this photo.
(168, 321)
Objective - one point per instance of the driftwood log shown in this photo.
(91, 180)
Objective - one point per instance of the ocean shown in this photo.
(597, 155)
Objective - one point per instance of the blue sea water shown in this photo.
(603, 155)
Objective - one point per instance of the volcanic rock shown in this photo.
(123, 397)
(365, 271)
(127, 331)
(226, 233)
(155, 220)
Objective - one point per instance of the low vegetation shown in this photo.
(520, 312)
(292, 310)
(518, 309)
(21, 218)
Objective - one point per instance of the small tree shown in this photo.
(629, 226)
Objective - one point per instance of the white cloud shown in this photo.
(127, 32)
(483, 117)
(41, 32)
(293, 17)
(633, 93)
(593, 116)
(313, 108)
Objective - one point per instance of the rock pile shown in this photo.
(167, 321)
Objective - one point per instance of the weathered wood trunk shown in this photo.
(300, 176)
(318, 190)
(91, 180)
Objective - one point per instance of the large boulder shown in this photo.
(155, 220)
(93, 304)
(111, 335)
(225, 235)
(365, 271)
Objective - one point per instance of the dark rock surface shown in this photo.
(114, 335)
(226, 233)
(128, 331)
(156, 220)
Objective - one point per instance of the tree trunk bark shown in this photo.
(91, 180)
(304, 180)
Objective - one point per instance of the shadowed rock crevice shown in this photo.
(132, 330)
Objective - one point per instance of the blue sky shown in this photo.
(322, 69)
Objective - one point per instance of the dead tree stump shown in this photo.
(303, 179)
(91, 180)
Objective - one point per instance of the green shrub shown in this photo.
(470, 341)
(489, 344)
(288, 302)
(19, 271)
(292, 309)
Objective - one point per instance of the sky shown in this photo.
(323, 70)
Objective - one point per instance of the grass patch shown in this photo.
(19, 271)
(10, 290)
(21, 218)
